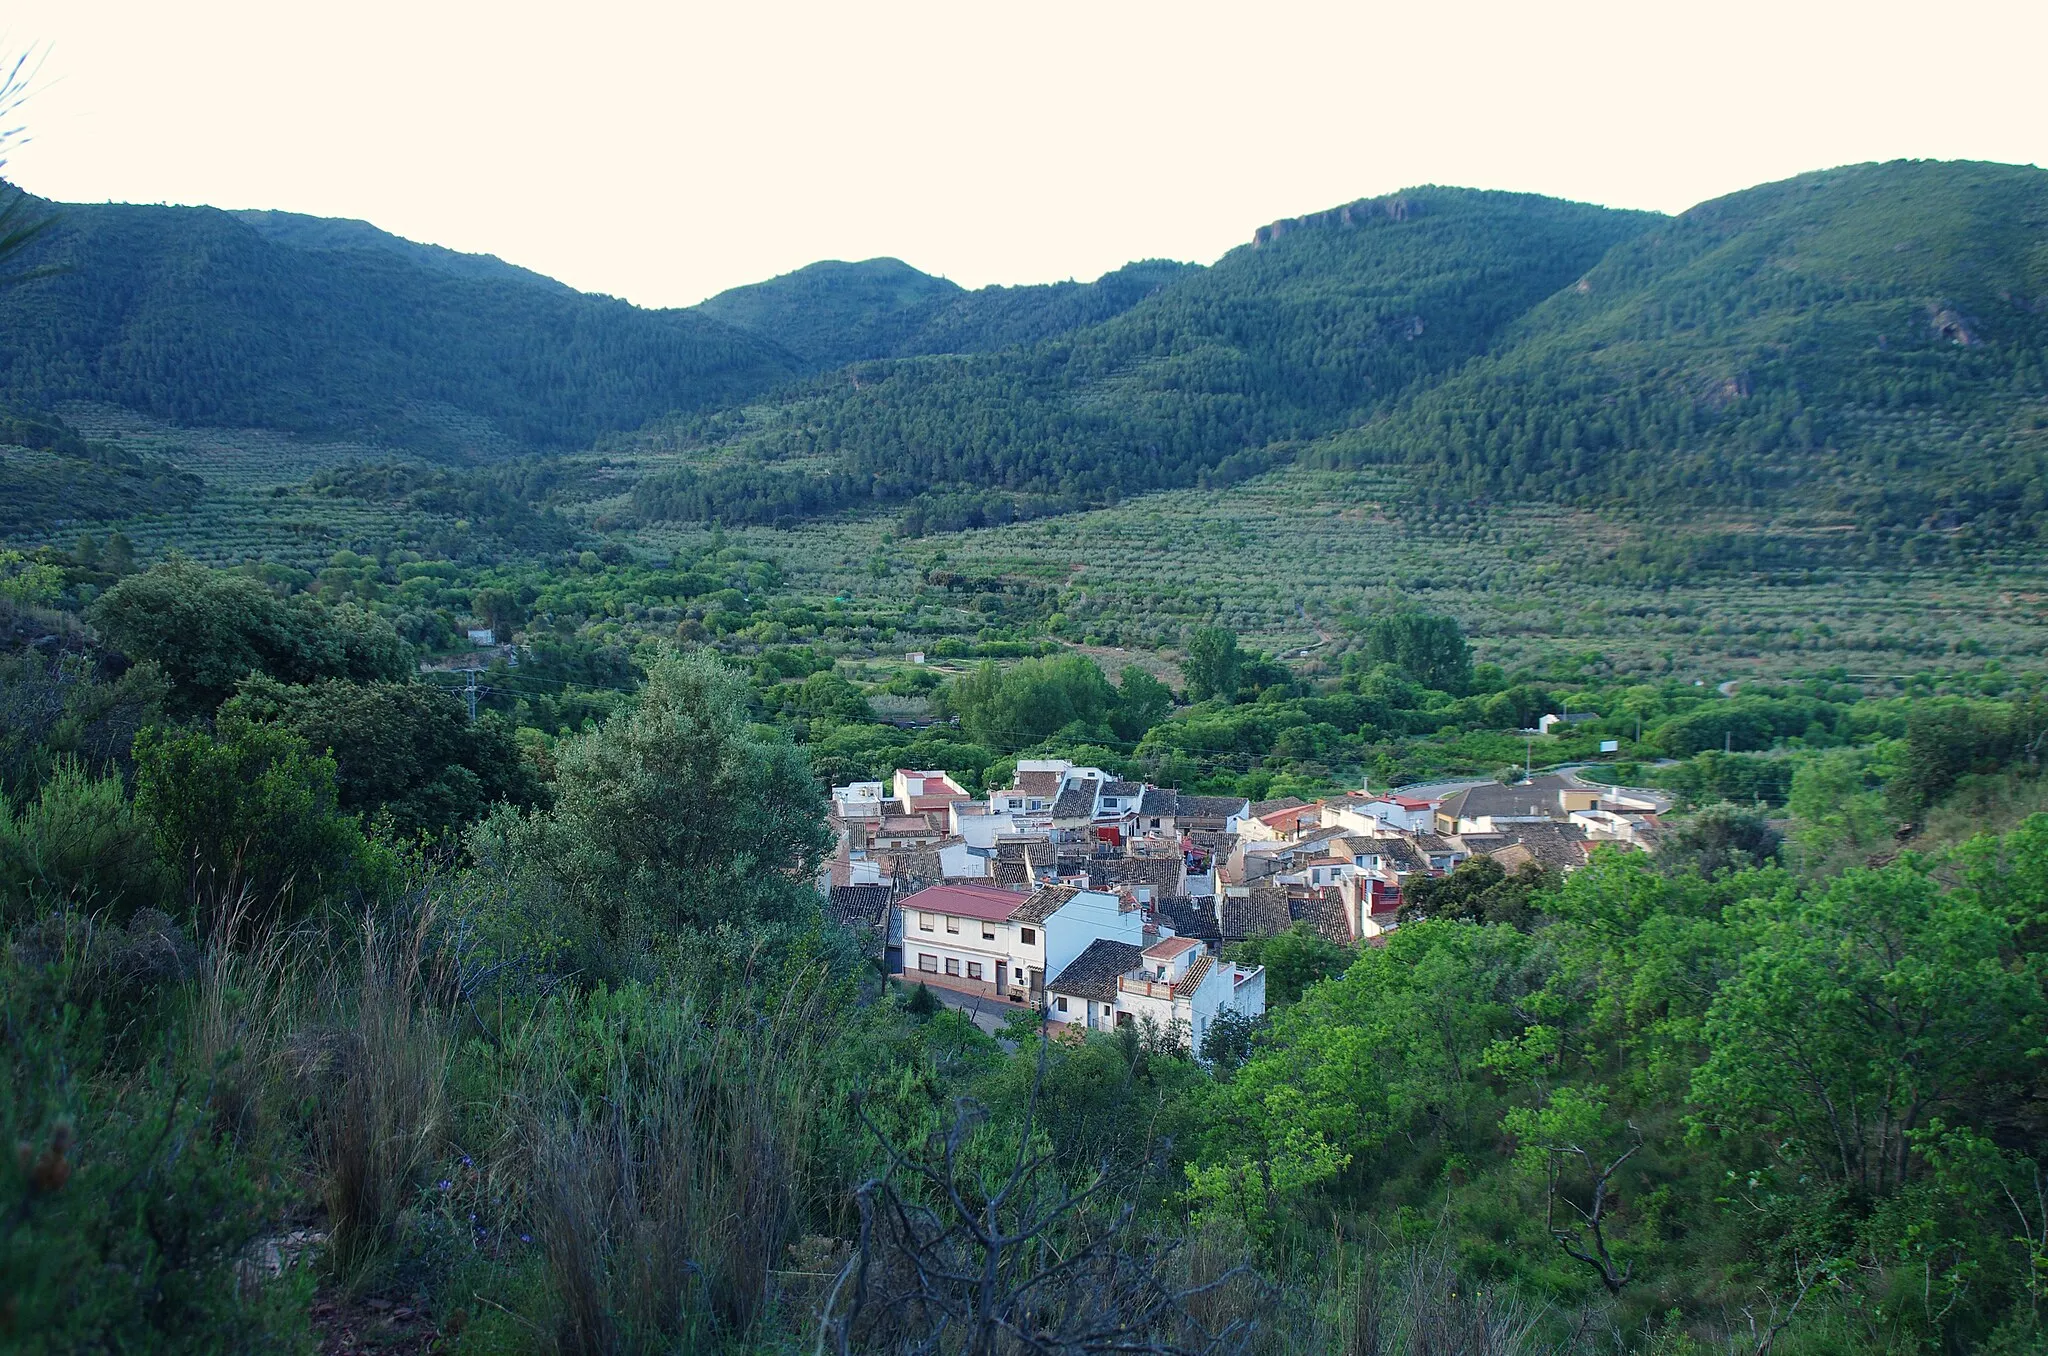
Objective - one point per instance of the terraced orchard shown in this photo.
(1284, 559)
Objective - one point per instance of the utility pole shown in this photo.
(1529, 758)
(469, 696)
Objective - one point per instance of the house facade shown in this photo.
(1175, 985)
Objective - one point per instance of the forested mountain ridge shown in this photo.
(1287, 339)
(832, 313)
(343, 233)
(195, 316)
(1872, 340)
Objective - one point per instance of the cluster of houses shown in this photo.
(1103, 902)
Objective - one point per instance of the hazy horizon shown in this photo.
(687, 151)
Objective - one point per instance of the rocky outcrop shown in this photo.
(1342, 218)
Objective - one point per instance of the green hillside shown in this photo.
(195, 316)
(1870, 343)
(339, 233)
(1320, 323)
(832, 313)
(999, 317)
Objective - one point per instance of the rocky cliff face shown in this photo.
(1343, 218)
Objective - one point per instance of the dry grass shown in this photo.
(663, 1209)
(384, 1117)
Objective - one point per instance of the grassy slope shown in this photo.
(1275, 556)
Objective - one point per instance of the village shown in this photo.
(1101, 903)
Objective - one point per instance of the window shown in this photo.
(1062, 1002)
(1027, 936)
(952, 965)
(927, 963)
(952, 923)
(974, 969)
(924, 922)
(988, 932)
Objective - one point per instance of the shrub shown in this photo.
(125, 1212)
(246, 814)
(77, 843)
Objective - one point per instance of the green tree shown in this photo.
(1427, 648)
(207, 629)
(1862, 1011)
(1294, 959)
(1388, 1052)
(1033, 700)
(1479, 890)
(247, 817)
(676, 816)
(402, 749)
(1721, 838)
(1142, 701)
(78, 841)
(1837, 803)
(498, 609)
(1211, 663)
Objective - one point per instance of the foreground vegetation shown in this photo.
(533, 1029)
(336, 1016)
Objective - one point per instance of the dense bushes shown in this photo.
(207, 629)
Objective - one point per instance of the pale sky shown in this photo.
(663, 151)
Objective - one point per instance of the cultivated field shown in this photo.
(1281, 560)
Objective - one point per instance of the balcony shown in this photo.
(1142, 986)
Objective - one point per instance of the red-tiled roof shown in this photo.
(1169, 947)
(985, 902)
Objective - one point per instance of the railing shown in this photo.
(1144, 988)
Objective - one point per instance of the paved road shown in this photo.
(989, 1014)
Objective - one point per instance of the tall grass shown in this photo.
(666, 1192)
(387, 1110)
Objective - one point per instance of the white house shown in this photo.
(924, 791)
(1371, 814)
(1003, 943)
(1176, 984)
(858, 800)
(961, 936)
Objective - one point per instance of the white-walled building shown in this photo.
(1176, 985)
(859, 800)
(1372, 814)
(1002, 943)
(918, 792)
